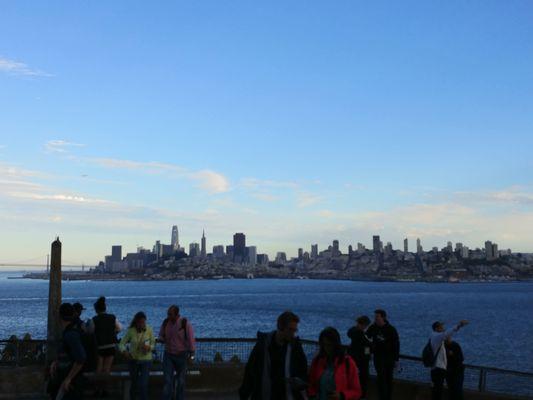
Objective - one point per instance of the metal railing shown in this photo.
(237, 351)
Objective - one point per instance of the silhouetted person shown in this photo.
(178, 336)
(386, 350)
(106, 327)
(277, 366)
(440, 365)
(360, 351)
(455, 372)
(333, 374)
(66, 371)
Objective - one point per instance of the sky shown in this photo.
(294, 122)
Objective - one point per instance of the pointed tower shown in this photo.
(203, 251)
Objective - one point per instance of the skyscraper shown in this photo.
(376, 244)
(175, 239)
(314, 251)
(418, 246)
(300, 253)
(116, 253)
(405, 246)
(252, 255)
(239, 247)
(204, 248)
(194, 250)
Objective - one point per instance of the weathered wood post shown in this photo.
(54, 301)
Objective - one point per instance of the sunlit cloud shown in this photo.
(12, 67)
(305, 199)
(60, 146)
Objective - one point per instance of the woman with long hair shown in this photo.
(333, 374)
(137, 345)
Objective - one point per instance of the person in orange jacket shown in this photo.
(333, 374)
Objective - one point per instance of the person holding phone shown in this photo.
(334, 374)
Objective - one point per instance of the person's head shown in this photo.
(330, 344)
(139, 321)
(287, 326)
(362, 322)
(100, 306)
(438, 326)
(173, 313)
(78, 309)
(449, 340)
(380, 317)
(66, 313)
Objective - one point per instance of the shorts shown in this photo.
(110, 352)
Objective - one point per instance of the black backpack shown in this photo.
(428, 357)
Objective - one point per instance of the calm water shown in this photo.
(500, 333)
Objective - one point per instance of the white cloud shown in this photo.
(305, 199)
(60, 146)
(68, 198)
(17, 68)
(206, 179)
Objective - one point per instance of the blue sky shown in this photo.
(295, 122)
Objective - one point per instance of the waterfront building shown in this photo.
(490, 248)
(376, 244)
(314, 251)
(194, 250)
(203, 250)
(218, 251)
(239, 247)
(405, 246)
(116, 253)
(175, 239)
(262, 259)
(252, 255)
(281, 257)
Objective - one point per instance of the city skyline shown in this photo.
(338, 124)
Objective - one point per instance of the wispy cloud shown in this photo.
(206, 179)
(305, 199)
(60, 146)
(12, 67)
(67, 198)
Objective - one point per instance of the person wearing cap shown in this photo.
(66, 371)
(438, 338)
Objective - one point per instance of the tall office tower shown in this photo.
(314, 251)
(350, 249)
(418, 246)
(300, 253)
(458, 247)
(376, 244)
(252, 255)
(194, 250)
(388, 249)
(204, 248)
(488, 250)
(495, 252)
(465, 252)
(229, 252)
(336, 246)
(175, 238)
(239, 247)
(116, 253)
(449, 246)
(406, 245)
(360, 247)
(281, 257)
(218, 251)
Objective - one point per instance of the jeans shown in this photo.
(363, 365)
(140, 375)
(385, 373)
(437, 377)
(171, 363)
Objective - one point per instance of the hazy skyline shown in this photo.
(294, 123)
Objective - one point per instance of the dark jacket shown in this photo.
(385, 344)
(256, 384)
(105, 330)
(454, 355)
(360, 346)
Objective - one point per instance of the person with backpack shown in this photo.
(105, 327)
(455, 373)
(67, 381)
(360, 351)
(277, 366)
(137, 345)
(178, 336)
(434, 355)
(386, 350)
(333, 374)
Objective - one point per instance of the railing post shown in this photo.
(482, 385)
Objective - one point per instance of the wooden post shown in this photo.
(54, 301)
